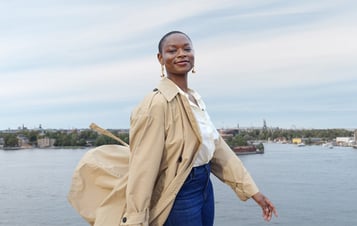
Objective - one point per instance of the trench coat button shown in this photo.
(154, 90)
(180, 159)
(124, 219)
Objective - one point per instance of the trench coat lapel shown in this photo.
(191, 117)
(170, 90)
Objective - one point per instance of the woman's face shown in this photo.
(177, 54)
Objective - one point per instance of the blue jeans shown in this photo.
(194, 204)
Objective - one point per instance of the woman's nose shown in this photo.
(181, 52)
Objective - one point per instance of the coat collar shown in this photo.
(168, 89)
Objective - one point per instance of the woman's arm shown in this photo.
(147, 138)
(267, 206)
(229, 169)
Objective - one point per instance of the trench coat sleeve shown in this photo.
(146, 146)
(229, 169)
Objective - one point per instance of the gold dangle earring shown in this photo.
(193, 70)
(162, 71)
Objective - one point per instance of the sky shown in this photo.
(65, 64)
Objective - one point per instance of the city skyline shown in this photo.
(65, 65)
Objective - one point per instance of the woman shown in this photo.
(174, 147)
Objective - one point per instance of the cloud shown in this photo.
(303, 55)
(61, 60)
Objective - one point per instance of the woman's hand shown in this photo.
(267, 206)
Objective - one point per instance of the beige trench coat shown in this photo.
(139, 187)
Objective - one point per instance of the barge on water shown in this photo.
(249, 149)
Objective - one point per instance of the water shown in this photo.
(309, 185)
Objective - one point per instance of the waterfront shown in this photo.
(310, 185)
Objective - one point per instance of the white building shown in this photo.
(345, 141)
(45, 142)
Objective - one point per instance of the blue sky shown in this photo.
(65, 64)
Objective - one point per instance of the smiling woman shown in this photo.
(176, 54)
(174, 147)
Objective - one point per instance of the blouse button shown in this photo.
(124, 219)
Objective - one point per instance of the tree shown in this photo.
(237, 140)
(102, 140)
(10, 140)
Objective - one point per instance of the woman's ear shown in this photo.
(159, 57)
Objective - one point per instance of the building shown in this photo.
(45, 142)
(296, 141)
(281, 140)
(228, 133)
(345, 141)
(23, 141)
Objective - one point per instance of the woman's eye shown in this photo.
(188, 49)
(171, 50)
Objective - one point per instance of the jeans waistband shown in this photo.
(200, 169)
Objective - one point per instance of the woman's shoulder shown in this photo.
(153, 100)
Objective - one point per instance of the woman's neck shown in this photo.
(180, 81)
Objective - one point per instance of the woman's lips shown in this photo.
(182, 63)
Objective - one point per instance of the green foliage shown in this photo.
(326, 134)
(90, 138)
(32, 135)
(247, 135)
(84, 138)
(237, 140)
(124, 137)
(101, 140)
(10, 140)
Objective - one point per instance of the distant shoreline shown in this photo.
(54, 148)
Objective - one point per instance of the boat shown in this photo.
(328, 145)
(249, 149)
(354, 146)
(302, 144)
